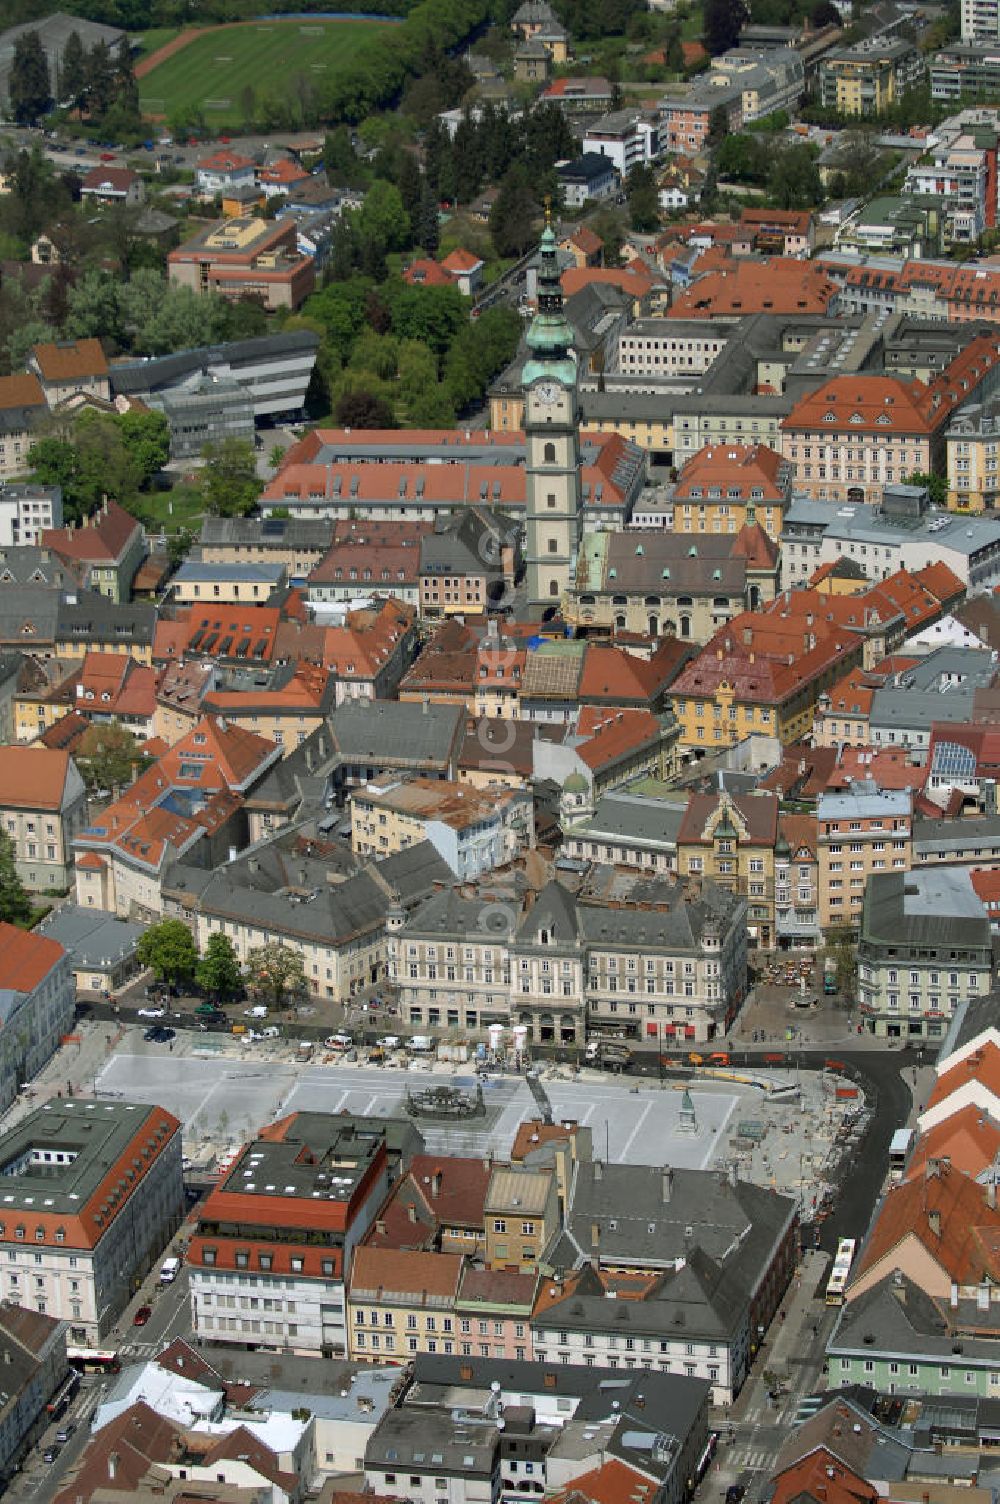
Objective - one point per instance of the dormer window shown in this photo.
(544, 937)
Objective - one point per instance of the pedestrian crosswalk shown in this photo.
(747, 1456)
(138, 1349)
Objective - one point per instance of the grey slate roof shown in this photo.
(131, 378)
(652, 1216)
(668, 563)
(973, 1017)
(938, 687)
(634, 818)
(92, 937)
(24, 561)
(928, 908)
(972, 837)
(896, 1319)
(272, 532)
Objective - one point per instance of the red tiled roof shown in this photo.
(970, 1140)
(118, 179)
(460, 261)
(612, 734)
(100, 539)
(779, 285)
(613, 1482)
(823, 1478)
(758, 812)
(949, 1214)
(32, 777)
(81, 357)
(224, 161)
(425, 272)
(635, 279)
(410, 1271)
(21, 391)
(743, 468)
(27, 958)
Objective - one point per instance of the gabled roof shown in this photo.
(408, 1272)
(460, 261)
(81, 357)
(32, 777)
(27, 958)
(948, 1213)
(610, 734)
(969, 1140)
(113, 179)
(100, 539)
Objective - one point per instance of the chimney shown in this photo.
(112, 1466)
(991, 1195)
(953, 1296)
(666, 1184)
(595, 1234)
(934, 1221)
(411, 1211)
(436, 1183)
(380, 1228)
(598, 1169)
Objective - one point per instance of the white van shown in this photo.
(169, 1271)
(422, 1044)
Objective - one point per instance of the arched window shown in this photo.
(685, 626)
(654, 626)
(549, 454)
(553, 587)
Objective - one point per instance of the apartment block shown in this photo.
(860, 834)
(273, 1242)
(92, 1193)
(924, 947)
(37, 1005)
(43, 809)
(869, 77)
(241, 258)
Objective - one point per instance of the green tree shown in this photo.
(29, 86)
(937, 485)
(513, 215)
(276, 456)
(643, 200)
(73, 73)
(94, 307)
(842, 951)
(15, 905)
(169, 950)
(723, 21)
(107, 755)
(794, 180)
(382, 217)
(276, 975)
(101, 79)
(360, 408)
(146, 437)
(229, 481)
(218, 971)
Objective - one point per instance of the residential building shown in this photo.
(629, 830)
(297, 545)
(26, 511)
(113, 185)
(780, 232)
(980, 21)
(69, 369)
(223, 172)
(961, 169)
(277, 179)
(401, 1302)
(579, 96)
(92, 1193)
(43, 809)
(730, 840)
(870, 76)
(191, 794)
(522, 1217)
(935, 289)
(727, 489)
(33, 1354)
(966, 70)
(283, 704)
(686, 111)
(285, 1254)
(436, 1205)
(101, 949)
(628, 138)
(111, 544)
(796, 882)
(924, 945)
(563, 967)
(906, 707)
(861, 834)
(468, 563)
(763, 671)
(22, 406)
(857, 433)
(663, 1241)
(589, 178)
(235, 584)
(472, 830)
(776, 284)
(36, 1006)
(901, 532)
(472, 1429)
(341, 930)
(972, 443)
(245, 257)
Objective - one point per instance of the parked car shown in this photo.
(51, 1453)
(142, 1315)
(159, 1035)
(338, 1041)
(65, 1432)
(257, 1011)
(150, 1012)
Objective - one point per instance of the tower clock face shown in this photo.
(547, 393)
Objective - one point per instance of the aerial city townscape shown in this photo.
(499, 751)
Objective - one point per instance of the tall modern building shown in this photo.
(552, 429)
(980, 20)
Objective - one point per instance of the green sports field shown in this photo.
(211, 72)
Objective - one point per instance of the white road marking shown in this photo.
(635, 1133)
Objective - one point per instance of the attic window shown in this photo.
(857, 418)
(829, 417)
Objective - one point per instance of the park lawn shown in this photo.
(154, 38)
(211, 73)
(169, 511)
